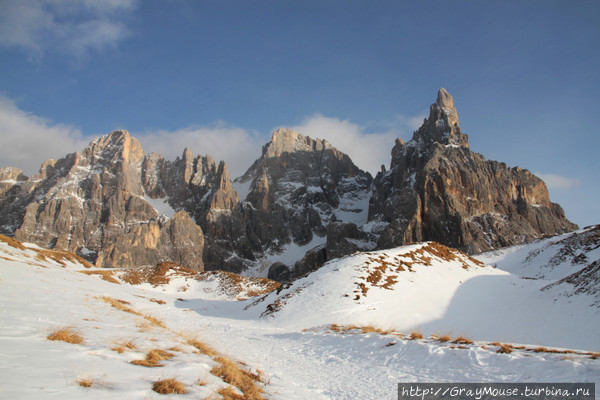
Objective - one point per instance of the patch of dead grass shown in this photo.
(242, 379)
(86, 382)
(504, 348)
(12, 242)
(122, 305)
(62, 257)
(442, 339)
(201, 346)
(462, 340)
(416, 335)
(229, 393)
(106, 275)
(169, 386)
(66, 334)
(124, 345)
(153, 358)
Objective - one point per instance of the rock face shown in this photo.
(117, 206)
(179, 240)
(296, 188)
(438, 189)
(10, 177)
(99, 201)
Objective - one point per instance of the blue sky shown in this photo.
(219, 76)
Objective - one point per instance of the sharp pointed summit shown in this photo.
(438, 189)
(442, 125)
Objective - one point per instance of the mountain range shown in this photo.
(300, 204)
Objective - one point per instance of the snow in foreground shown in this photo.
(37, 296)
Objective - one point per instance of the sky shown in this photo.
(219, 76)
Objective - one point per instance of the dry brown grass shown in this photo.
(169, 386)
(12, 242)
(244, 380)
(157, 301)
(66, 334)
(106, 275)
(415, 335)
(201, 346)
(86, 382)
(62, 257)
(153, 358)
(119, 304)
(359, 329)
(124, 345)
(462, 340)
(504, 348)
(154, 321)
(122, 305)
(229, 393)
(443, 338)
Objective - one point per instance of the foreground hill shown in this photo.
(168, 324)
(435, 290)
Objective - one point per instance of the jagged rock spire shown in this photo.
(442, 125)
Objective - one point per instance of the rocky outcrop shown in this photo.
(179, 240)
(438, 189)
(9, 177)
(101, 201)
(297, 187)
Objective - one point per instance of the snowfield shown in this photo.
(343, 332)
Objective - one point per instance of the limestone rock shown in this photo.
(296, 188)
(438, 189)
(180, 240)
(89, 201)
(9, 177)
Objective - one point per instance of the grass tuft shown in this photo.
(229, 393)
(124, 345)
(201, 346)
(66, 334)
(153, 358)
(504, 349)
(86, 382)
(12, 242)
(244, 380)
(415, 335)
(462, 340)
(106, 275)
(169, 386)
(443, 338)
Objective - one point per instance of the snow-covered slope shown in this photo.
(436, 290)
(569, 264)
(120, 323)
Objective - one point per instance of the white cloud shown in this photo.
(26, 140)
(236, 146)
(368, 150)
(554, 181)
(72, 27)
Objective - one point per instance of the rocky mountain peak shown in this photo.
(438, 189)
(287, 141)
(442, 125)
(445, 99)
(117, 147)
